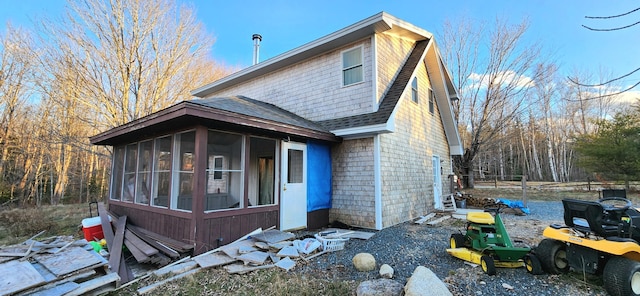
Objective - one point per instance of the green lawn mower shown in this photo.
(487, 243)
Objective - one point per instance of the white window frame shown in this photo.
(414, 89)
(431, 99)
(361, 65)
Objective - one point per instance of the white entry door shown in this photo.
(437, 183)
(293, 191)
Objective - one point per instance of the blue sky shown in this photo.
(286, 24)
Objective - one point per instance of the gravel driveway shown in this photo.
(408, 245)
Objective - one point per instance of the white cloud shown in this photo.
(505, 78)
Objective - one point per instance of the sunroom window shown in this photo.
(145, 157)
(161, 172)
(130, 164)
(262, 174)
(225, 171)
(118, 171)
(183, 162)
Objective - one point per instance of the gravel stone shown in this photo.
(408, 245)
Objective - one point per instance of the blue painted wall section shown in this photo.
(318, 176)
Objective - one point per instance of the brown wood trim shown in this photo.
(240, 212)
(199, 187)
(163, 211)
(174, 111)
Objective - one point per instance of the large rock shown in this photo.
(424, 282)
(379, 287)
(364, 262)
(386, 271)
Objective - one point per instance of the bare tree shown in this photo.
(16, 69)
(492, 92)
(132, 57)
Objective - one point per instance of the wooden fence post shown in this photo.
(524, 190)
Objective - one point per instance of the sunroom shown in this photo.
(208, 171)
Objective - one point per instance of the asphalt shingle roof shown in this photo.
(250, 107)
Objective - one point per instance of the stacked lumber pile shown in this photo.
(145, 246)
(53, 266)
(64, 266)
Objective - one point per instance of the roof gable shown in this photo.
(378, 23)
(391, 98)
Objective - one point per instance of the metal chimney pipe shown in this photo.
(256, 47)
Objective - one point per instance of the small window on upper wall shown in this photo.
(352, 71)
(414, 89)
(432, 96)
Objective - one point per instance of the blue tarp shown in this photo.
(517, 204)
(318, 176)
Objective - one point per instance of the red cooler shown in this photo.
(92, 228)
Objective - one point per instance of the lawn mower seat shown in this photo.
(589, 217)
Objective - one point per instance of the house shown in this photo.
(356, 127)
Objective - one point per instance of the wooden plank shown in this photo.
(18, 276)
(162, 248)
(213, 260)
(60, 289)
(94, 284)
(71, 260)
(344, 233)
(52, 285)
(273, 236)
(175, 244)
(107, 230)
(241, 268)
(286, 264)
(140, 257)
(257, 257)
(179, 268)
(140, 244)
(15, 254)
(150, 288)
(289, 251)
(115, 251)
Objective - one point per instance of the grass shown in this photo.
(262, 282)
(18, 225)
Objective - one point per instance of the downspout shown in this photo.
(374, 78)
(377, 181)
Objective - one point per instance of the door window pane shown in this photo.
(295, 165)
